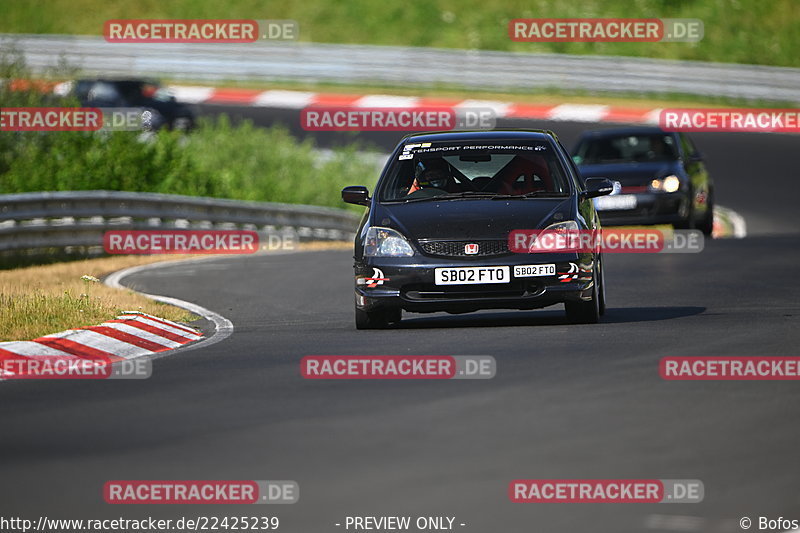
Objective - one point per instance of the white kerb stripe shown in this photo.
(193, 95)
(285, 99)
(165, 327)
(32, 349)
(156, 318)
(500, 109)
(652, 117)
(386, 100)
(579, 113)
(98, 341)
(142, 334)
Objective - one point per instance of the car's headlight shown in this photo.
(385, 242)
(559, 229)
(562, 227)
(668, 184)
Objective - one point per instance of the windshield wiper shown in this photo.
(471, 194)
(499, 196)
(480, 194)
(533, 194)
(465, 194)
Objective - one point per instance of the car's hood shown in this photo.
(630, 173)
(469, 219)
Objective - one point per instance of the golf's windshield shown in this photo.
(626, 148)
(450, 170)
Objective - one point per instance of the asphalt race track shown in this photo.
(568, 402)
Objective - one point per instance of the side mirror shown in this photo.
(696, 157)
(597, 187)
(356, 194)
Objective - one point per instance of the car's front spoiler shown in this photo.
(651, 209)
(412, 288)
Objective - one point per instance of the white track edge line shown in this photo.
(223, 328)
(739, 224)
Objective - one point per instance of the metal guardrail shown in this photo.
(273, 61)
(73, 222)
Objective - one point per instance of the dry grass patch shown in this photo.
(40, 300)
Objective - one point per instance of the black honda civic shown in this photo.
(436, 234)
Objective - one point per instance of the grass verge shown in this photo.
(218, 159)
(736, 31)
(40, 300)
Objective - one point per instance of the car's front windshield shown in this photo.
(448, 170)
(626, 148)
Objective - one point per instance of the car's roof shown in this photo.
(484, 135)
(148, 81)
(627, 130)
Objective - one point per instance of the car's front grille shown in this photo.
(515, 289)
(459, 248)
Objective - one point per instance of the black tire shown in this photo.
(707, 225)
(378, 319)
(602, 290)
(688, 222)
(394, 316)
(582, 312)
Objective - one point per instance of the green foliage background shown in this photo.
(217, 159)
(739, 31)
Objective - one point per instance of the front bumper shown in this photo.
(409, 283)
(651, 208)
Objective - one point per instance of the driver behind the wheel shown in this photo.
(433, 178)
(434, 174)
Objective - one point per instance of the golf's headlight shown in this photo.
(668, 184)
(385, 242)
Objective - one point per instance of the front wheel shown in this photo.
(707, 225)
(688, 222)
(585, 312)
(601, 293)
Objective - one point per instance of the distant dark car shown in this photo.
(436, 233)
(140, 93)
(662, 175)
